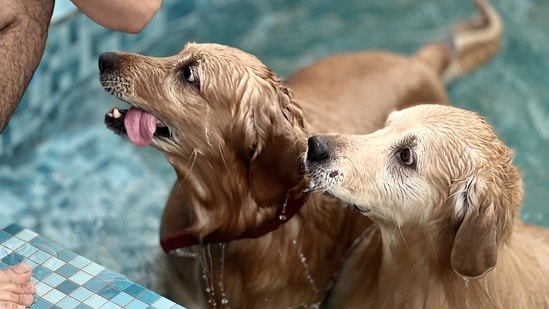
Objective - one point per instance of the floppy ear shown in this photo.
(474, 252)
(278, 125)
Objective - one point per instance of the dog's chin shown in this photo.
(365, 210)
(114, 120)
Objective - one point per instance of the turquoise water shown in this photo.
(98, 195)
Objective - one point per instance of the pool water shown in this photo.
(78, 184)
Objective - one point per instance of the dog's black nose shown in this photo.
(318, 149)
(107, 61)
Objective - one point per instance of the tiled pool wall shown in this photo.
(65, 279)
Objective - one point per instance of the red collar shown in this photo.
(284, 213)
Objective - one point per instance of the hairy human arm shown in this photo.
(23, 32)
(121, 15)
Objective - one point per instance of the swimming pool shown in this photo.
(66, 176)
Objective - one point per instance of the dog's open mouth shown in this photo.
(140, 126)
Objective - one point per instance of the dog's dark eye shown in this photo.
(188, 73)
(406, 156)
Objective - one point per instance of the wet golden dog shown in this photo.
(238, 229)
(445, 196)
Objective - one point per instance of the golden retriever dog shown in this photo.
(445, 196)
(238, 229)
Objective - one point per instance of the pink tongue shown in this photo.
(140, 126)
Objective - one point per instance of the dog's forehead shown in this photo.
(447, 127)
(207, 51)
(434, 115)
(432, 123)
(406, 118)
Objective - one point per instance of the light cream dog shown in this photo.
(445, 196)
(238, 230)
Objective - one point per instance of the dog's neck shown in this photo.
(414, 254)
(413, 271)
(291, 205)
(238, 199)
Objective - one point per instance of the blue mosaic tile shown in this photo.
(148, 296)
(121, 283)
(13, 243)
(66, 280)
(46, 245)
(109, 292)
(95, 285)
(67, 270)
(134, 289)
(163, 303)
(80, 262)
(68, 302)
(53, 263)
(27, 249)
(137, 304)
(122, 299)
(80, 277)
(4, 236)
(41, 304)
(107, 275)
(13, 229)
(53, 279)
(39, 256)
(53, 296)
(39, 272)
(81, 293)
(26, 235)
(13, 259)
(95, 301)
(42, 288)
(66, 255)
(93, 269)
(67, 287)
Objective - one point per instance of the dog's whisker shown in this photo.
(314, 186)
(223, 157)
(311, 187)
(402, 235)
(193, 156)
(324, 188)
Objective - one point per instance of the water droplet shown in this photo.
(208, 290)
(305, 265)
(185, 252)
(282, 216)
(224, 301)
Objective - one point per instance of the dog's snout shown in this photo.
(107, 61)
(318, 149)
